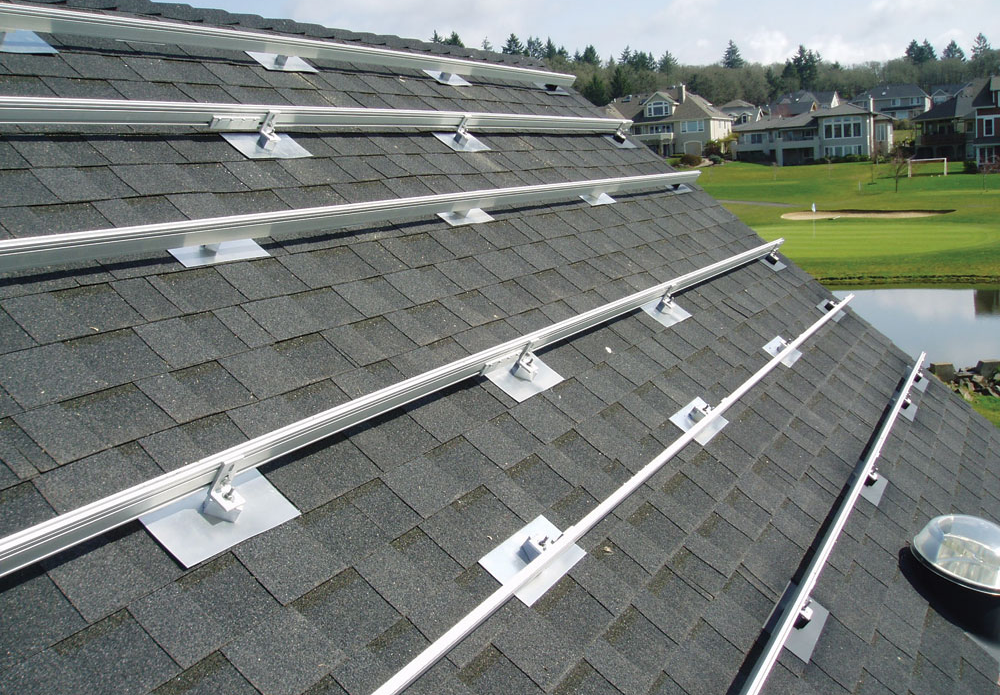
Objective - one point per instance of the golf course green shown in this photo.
(958, 248)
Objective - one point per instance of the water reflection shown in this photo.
(987, 302)
(957, 326)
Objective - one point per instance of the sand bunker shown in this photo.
(877, 214)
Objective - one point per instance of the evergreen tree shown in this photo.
(918, 54)
(806, 66)
(550, 49)
(667, 63)
(513, 46)
(928, 50)
(953, 52)
(980, 47)
(437, 38)
(590, 56)
(534, 47)
(486, 45)
(626, 55)
(453, 40)
(595, 91)
(732, 58)
(640, 60)
(621, 83)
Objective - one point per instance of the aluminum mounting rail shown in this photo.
(249, 117)
(66, 530)
(460, 630)
(32, 252)
(60, 21)
(779, 634)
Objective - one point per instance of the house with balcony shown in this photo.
(673, 121)
(897, 101)
(949, 128)
(986, 144)
(838, 132)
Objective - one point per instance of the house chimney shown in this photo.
(871, 103)
(681, 92)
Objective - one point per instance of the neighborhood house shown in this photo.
(837, 132)
(673, 121)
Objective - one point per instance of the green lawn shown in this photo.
(960, 248)
(988, 407)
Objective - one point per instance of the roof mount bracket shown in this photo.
(828, 304)
(773, 261)
(666, 310)
(920, 381)
(194, 528)
(457, 218)
(222, 252)
(280, 62)
(809, 624)
(556, 89)
(598, 198)
(521, 375)
(515, 553)
(223, 501)
(777, 345)
(909, 409)
(23, 41)
(462, 140)
(265, 144)
(693, 413)
(620, 139)
(874, 487)
(448, 78)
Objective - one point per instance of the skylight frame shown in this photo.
(91, 24)
(54, 249)
(66, 530)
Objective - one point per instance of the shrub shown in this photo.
(690, 160)
(715, 159)
(969, 166)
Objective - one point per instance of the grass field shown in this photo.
(988, 407)
(961, 248)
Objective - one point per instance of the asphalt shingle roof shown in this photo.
(112, 372)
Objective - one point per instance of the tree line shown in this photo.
(636, 72)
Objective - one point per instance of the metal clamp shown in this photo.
(223, 501)
(873, 477)
(534, 546)
(525, 367)
(462, 140)
(268, 139)
(805, 615)
(774, 262)
(777, 345)
(828, 305)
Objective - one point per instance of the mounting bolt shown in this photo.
(805, 615)
(872, 477)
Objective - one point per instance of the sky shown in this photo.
(696, 32)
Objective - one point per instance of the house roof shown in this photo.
(959, 106)
(803, 120)
(113, 372)
(891, 91)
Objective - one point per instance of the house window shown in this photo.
(987, 127)
(692, 126)
(844, 127)
(756, 138)
(657, 109)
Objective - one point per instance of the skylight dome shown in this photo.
(964, 549)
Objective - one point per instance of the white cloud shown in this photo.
(694, 31)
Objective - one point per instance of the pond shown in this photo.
(957, 326)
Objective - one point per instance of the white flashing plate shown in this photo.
(505, 561)
(279, 63)
(774, 347)
(223, 252)
(249, 145)
(685, 420)
(192, 537)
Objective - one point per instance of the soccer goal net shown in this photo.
(925, 167)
